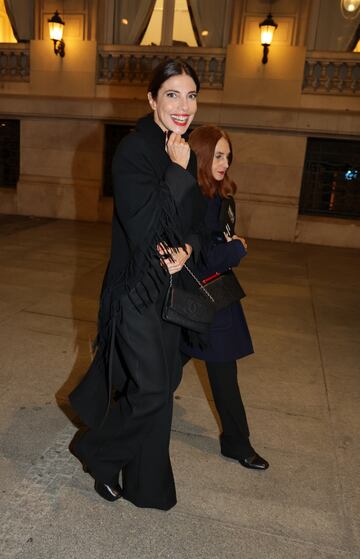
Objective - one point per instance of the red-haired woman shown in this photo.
(229, 337)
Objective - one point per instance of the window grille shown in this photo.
(331, 178)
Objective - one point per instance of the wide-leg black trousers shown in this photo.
(135, 436)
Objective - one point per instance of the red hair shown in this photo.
(203, 142)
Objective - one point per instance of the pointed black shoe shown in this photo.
(254, 462)
(108, 492)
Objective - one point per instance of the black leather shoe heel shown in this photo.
(254, 462)
(108, 492)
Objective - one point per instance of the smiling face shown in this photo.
(175, 105)
(221, 159)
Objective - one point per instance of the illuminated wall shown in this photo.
(63, 109)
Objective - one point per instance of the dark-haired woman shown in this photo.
(229, 337)
(157, 208)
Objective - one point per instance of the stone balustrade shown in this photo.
(336, 73)
(14, 62)
(333, 73)
(128, 65)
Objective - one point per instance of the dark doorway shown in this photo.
(331, 178)
(9, 153)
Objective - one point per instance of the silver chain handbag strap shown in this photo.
(199, 283)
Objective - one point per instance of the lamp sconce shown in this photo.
(350, 8)
(56, 29)
(267, 30)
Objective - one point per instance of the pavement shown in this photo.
(301, 390)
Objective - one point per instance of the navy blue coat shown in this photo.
(229, 336)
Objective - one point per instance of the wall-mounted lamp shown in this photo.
(350, 8)
(267, 29)
(56, 29)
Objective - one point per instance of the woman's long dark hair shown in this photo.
(168, 69)
(203, 142)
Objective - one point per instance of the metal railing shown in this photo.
(336, 73)
(129, 65)
(14, 62)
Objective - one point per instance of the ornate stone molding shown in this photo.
(129, 65)
(295, 121)
(335, 73)
(14, 62)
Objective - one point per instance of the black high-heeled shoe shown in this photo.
(254, 462)
(108, 492)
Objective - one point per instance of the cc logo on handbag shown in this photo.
(192, 307)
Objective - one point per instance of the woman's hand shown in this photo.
(178, 150)
(236, 238)
(176, 261)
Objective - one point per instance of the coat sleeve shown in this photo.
(145, 204)
(222, 256)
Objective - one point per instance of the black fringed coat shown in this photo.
(155, 200)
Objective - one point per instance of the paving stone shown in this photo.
(301, 390)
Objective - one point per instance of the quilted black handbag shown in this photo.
(224, 289)
(191, 310)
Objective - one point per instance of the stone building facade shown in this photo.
(270, 110)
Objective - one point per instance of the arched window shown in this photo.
(170, 24)
(190, 23)
(354, 45)
(21, 16)
(6, 32)
(333, 31)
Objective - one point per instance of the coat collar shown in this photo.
(147, 126)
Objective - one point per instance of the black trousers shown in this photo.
(234, 439)
(135, 437)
